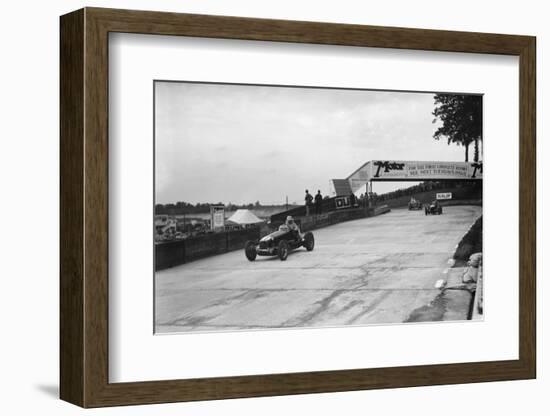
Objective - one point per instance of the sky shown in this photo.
(247, 143)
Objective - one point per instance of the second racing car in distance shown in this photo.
(279, 243)
(414, 204)
(433, 208)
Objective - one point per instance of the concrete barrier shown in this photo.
(237, 239)
(471, 242)
(169, 254)
(477, 311)
(173, 253)
(453, 202)
(313, 222)
(382, 209)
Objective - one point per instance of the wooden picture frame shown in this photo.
(84, 207)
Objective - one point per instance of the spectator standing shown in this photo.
(308, 199)
(318, 202)
(362, 201)
(352, 200)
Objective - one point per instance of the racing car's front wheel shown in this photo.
(282, 250)
(250, 250)
(309, 241)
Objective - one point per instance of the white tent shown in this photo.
(244, 216)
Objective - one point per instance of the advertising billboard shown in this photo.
(410, 170)
(443, 195)
(217, 215)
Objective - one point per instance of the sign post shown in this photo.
(217, 216)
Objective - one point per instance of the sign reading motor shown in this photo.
(444, 195)
(414, 170)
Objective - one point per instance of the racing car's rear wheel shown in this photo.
(309, 241)
(250, 250)
(282, 250)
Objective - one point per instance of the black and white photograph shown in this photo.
(285, 207)
(268, 208)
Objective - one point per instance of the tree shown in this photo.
(461, 120)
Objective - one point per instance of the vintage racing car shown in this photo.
(279, 243)
(415, 204)
(433, 208)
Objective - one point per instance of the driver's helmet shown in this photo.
(289, 220)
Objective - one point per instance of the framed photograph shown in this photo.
(255, 207)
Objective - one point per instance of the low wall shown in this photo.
(168, 254)
(477, 307)
(456, 202)
(471, 242)
(313, 222)
(382, 209)
(172, 253)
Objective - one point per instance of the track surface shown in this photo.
(369, 271)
